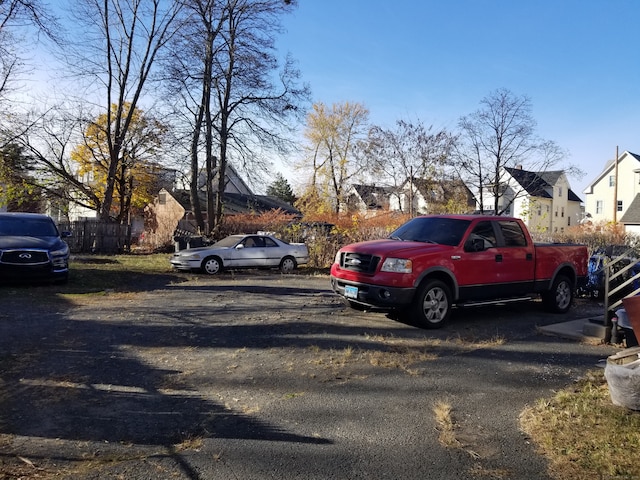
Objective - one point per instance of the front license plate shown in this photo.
(350, 292)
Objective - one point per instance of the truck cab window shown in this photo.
(482, 237)
(512, 234)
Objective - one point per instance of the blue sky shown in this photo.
(434, 60)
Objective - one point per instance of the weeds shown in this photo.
(583, 434)
(444, 421)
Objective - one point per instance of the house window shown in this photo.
(599, 206)
(539, 210)
(162, 198)
(559, 191)
(619, 205)
(569, 221)
(612, 181)
(562, 212)
(556, 212)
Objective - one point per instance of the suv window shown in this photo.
(28, 227)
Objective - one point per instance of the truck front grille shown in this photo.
(359, 262)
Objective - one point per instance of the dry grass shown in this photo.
(190, 443)
(390, 353)
(401, 358)
(583, 434)
(443, 412)
(94, 277)
(473, 342)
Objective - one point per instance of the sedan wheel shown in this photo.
(212, 265)
(288, 265)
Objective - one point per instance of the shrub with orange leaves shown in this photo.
(596, 236)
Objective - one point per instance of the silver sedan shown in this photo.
(243, 251)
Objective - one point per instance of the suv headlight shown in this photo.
(397, 265)
(61, 252)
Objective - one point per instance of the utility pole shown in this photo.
(411, 191)
(615, 190)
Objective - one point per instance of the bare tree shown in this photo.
(237, 110)
(47, 139)
(411, 152)
(498, 136)
(189, 77)
(17, 16)
(118, 51)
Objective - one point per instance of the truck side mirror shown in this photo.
(474, 245)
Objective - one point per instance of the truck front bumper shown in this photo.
(377, 296)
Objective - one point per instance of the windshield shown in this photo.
(28, 227)
(446, 231)
(228, 242)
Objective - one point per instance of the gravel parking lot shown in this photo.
(263, 376)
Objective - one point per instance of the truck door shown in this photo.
(479, 276)
(517, 258)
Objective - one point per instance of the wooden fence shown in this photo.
(93, 236)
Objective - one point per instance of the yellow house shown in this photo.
(614, 195)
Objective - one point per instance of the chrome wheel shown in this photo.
(563, 295)
(211, 265)
(433, 304)
(559, 298)
(287, 265)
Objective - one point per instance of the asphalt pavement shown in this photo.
(265, 376)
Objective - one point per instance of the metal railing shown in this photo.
(621, 279)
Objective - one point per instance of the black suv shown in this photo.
(31, 248)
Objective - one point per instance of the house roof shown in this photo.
(532, 182)
(441, 189)
(607, 168)
(372, 195)
(539, 184)
(238, 203)
(632, 215)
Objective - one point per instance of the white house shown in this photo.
(614, 195)
(543, 200)
(420, 196)
(416, 196)
(368, 198)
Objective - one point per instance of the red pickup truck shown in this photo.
(435, 261)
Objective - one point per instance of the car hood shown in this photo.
(398, 248)
(9, 242)
(202, 250)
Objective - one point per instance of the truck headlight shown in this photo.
(337, 259)
(397, 265)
